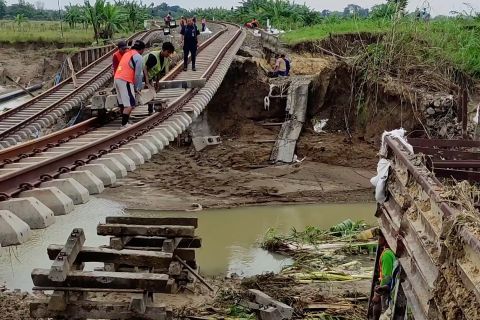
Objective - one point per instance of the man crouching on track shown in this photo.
(129, 79)
(156, 63)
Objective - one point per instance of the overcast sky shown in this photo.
(437, 6)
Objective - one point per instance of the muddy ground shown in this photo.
(237, 173)
(33, 65)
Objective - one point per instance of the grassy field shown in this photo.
(454, 40)
(322, 31)
(45, 32)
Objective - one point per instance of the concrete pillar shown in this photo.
(86, 179)
(102, 173)
(13, 231)
(123, 159)
(133, 154)
(74, 190)
(31, 211)
(53, 198)
(113, 164)
(146, 154)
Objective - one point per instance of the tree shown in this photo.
(3, 8)
(94, 15)
(112, 21)
(73, 15)
(19, 20)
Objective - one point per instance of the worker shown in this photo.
(168, 19)
(117, 56)
(183, 23)
(255, 23)
(204, 24)
(280, 67)
(190, 43)
(386, 267)
(128, 79)
(156, 63)
(287, 64)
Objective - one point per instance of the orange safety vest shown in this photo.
(124, 70)
(117, 56)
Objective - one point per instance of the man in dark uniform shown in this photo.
(190, 43)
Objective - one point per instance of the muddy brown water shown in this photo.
(230, 236)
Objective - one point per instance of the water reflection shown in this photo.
(229, 236)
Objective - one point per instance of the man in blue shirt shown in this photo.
(190, 43)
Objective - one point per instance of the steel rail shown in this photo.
(12, 184)
(20, 125)
(30, 148)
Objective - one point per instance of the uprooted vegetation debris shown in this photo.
(327, 280)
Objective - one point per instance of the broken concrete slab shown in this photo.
(13, 230)
(31, 211)
(53, 198)
(201, 143)
(74, 190)
(86, 179)
(261, 298)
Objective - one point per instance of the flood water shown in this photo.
(230, 236)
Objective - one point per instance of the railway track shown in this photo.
(83, 159)
(27, 120)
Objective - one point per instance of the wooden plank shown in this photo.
(169, 245)
(76, 289)
(98, 310)
(74, 76)
(65, 257)
(125, 257)
(193, 222)
(153, 282)
(169, 231)
(194, 273)
(118, 243)
(157, 242)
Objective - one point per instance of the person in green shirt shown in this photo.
(157, 63)
(386, 267)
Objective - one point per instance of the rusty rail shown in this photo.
(417, 219)
(23, 179)
(54, 89)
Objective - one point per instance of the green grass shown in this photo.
(322, 31)
(45, 32)
(452, 39)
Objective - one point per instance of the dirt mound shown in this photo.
(374, 87)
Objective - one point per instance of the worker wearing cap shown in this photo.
(129, 79)
(156, 63)
(117, 56)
